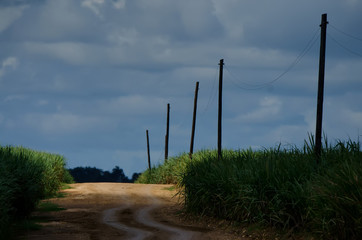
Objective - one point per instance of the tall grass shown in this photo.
(171, 172)
(284, 188)
(335, 197)
(264, 187)
(26, 176)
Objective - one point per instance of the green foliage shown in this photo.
(257, 187)
(336, 194)
(171, 172)
(284, 188)
(26, 176)
(67, 177)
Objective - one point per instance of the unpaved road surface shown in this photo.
(121, 211)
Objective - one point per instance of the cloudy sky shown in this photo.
(86, 78)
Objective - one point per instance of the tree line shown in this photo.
(93, 174)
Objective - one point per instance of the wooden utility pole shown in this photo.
(194, 120)
(148, 151)
(220, 110)
(322, 55)
(167, 132)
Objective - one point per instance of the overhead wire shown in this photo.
(256, 86)
(340, 44)
(306, 49)
(343, 46)
(347, 34)
(213, 92)
(238, 83)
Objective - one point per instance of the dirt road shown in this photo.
(121, 211)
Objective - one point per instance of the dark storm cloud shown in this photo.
(87, 78)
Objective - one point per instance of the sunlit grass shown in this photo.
(282, 188)
(26, 177)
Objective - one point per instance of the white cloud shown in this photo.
(74, 53)
(132, 105)
(337, 72)
(353, 118)
(198, 19)
(94, 6)
(269, 109)
(124, 36)
(230, 17)
(15, 97)
(353, 2)
(9, 15)
(118, 4)
(129, 49)
(287, 134)
(10, 62)
(64, 123)
(42, 102)
(341, 118)
(55, 21)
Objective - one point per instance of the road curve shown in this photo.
(142, 215)
(115, 211)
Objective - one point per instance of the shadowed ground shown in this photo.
(121, 211)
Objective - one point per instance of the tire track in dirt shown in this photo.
(110, 218)
(144, 216)
(146, 226)
(112, 211)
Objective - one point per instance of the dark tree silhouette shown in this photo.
(92, 174)
(135, 176)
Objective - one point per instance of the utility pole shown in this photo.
(322, 58)
(148, 151)
(194, 120)
(220, 110)
(167, 132)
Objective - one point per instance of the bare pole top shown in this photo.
(324, 19)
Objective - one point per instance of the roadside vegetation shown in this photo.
(281, 188)
(93, 174)
(26, 177)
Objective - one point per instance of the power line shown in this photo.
(212, 94)
(344, 47)
(238, 83)
(306, 49)
(347, 34)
